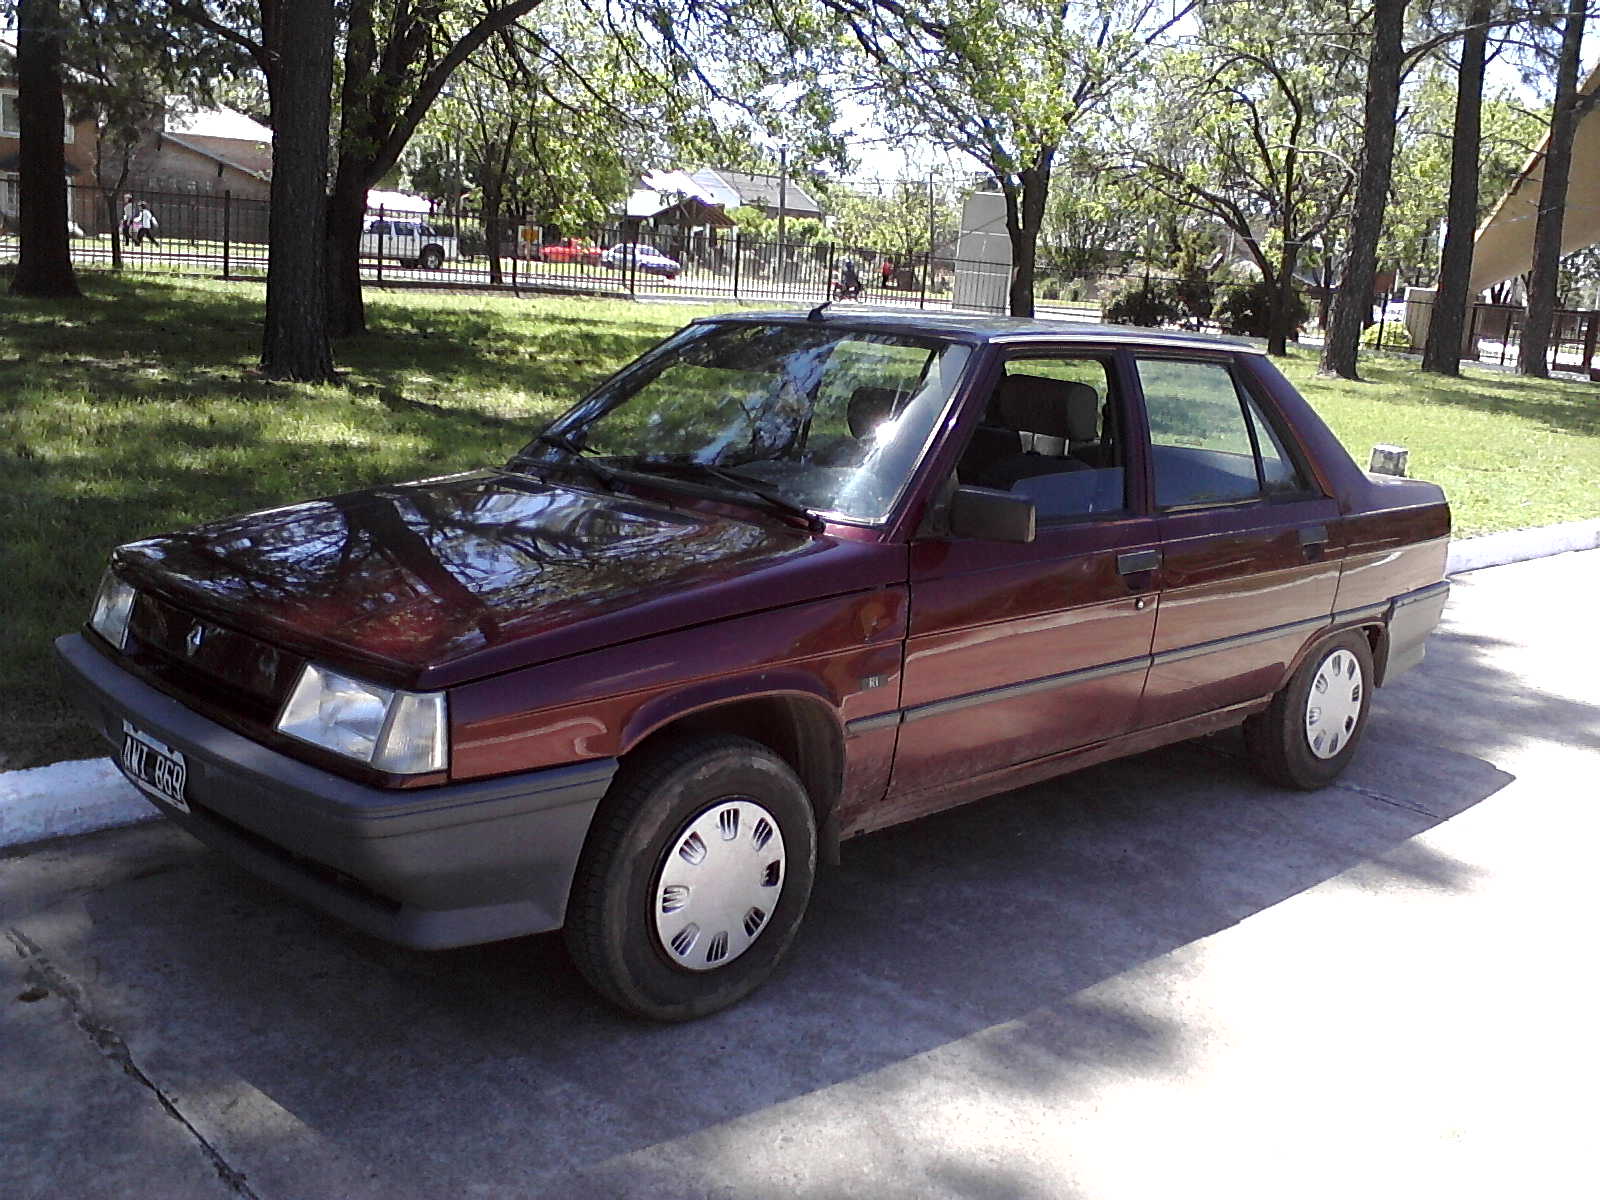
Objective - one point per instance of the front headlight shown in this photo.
(402, 732)
(112, 608)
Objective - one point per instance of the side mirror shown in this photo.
(991, 515)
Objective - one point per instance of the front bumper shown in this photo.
(431, 868)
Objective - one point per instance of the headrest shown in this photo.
(1057, 408)
(869, 407)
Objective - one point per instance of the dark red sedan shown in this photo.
(784, 580)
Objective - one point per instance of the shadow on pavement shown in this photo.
(496, 1064)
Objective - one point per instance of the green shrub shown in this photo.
(1395, 335)
(1151, 303)
(1247, 309)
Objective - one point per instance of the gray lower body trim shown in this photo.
(1412, 618)
(1239, 639)
(429, 867)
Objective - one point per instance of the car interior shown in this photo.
(1050, 434)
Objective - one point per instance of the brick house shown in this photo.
(78, 138)
(182, 171)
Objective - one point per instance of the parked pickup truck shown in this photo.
(411, 243)
(784, 580)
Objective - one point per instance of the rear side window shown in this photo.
(1210, 442)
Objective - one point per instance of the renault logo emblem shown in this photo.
(196, 636)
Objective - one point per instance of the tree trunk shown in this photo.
(347, 213)
(1533, 353)
(1279, 327)
(299, 42)
(1352, 304)
(492, 231)
(1447, 325)
(1025, 201)
(44, 259)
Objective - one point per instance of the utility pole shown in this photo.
(930, 218)
(783, 206)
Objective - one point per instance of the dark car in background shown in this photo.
(782, 581)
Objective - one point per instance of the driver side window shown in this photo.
(1050, 433)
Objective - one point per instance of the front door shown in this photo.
(1020, 652)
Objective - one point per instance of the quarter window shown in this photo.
(1210, 442)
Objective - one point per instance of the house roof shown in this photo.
(183, 117)
(397, 202)
(661, 190)
(734, 188)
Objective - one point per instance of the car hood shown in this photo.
(433, 583)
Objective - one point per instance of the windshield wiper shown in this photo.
(698, 470)
(576, 453)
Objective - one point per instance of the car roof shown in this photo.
(978, 328)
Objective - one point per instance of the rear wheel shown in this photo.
(1309, 732)
(694, 880)
(432, 258)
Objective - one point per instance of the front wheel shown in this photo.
(432, 258)
(1308, 734)
(694, 879)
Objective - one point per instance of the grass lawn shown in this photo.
(135, 412)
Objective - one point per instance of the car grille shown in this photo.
(200, 658)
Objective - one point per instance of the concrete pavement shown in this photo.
(1154, 978)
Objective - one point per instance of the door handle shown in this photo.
(1313, 540)
(1133, 562)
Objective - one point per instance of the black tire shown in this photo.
(1278, 739)
(432, 258)
(611, 916)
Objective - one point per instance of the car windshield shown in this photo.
(826, 419)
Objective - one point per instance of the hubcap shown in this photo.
(719, 886)
(1334, 704)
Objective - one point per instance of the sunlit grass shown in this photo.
(137, 411)
(1510, 452)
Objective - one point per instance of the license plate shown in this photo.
(154, 766)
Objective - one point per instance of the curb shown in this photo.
(85, 795)
(67, 798)
(1519, 545)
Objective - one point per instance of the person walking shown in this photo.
(146, 225)
(130, 214)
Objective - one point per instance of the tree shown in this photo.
(1251, 127)
(126, 62)
(1002, 81)
(1533, 352)
(1352, 305)
(1447, 325)
(398, 57)
(44, 260)
(891, 217)
(547, 122)
(297, 40)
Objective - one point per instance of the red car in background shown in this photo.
(571, 250)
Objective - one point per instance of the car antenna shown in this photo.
(816, 313)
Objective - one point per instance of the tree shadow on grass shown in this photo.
(1557, 405)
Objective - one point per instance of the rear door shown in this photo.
(1021, 651)
(1247, 576)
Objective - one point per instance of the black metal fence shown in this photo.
(226, 236)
